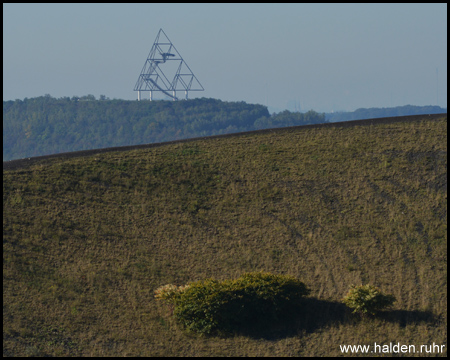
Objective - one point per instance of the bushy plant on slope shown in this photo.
(210, 306)
(367, 299)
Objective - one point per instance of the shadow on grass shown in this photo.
(403, 317)
(316, 314)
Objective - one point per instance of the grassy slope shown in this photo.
(86, 241)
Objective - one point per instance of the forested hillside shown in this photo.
(46, 125)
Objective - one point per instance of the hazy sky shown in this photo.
(324, 57)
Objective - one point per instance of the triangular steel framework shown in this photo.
(152, 78)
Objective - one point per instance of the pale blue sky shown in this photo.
(323, 56)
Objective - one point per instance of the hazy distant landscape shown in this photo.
(46, 125)
(87, 240)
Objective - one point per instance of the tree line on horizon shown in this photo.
(46, 125)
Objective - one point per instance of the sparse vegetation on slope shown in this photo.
(87, 241)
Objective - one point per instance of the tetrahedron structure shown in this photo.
(177, 76)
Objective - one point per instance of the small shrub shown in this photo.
(367, 299)
(210, 306)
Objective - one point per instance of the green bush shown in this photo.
(367, 299)
(211, 306)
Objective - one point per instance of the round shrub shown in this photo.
(210, 306)
(367, 299)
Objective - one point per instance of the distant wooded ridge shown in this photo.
(372, 113)
(45, 125)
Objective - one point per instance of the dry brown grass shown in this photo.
(86, 241)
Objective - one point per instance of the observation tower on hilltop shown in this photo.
(164, 56)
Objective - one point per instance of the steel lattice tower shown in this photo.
(163, 54)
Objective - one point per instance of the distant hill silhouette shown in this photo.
(372, 113)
